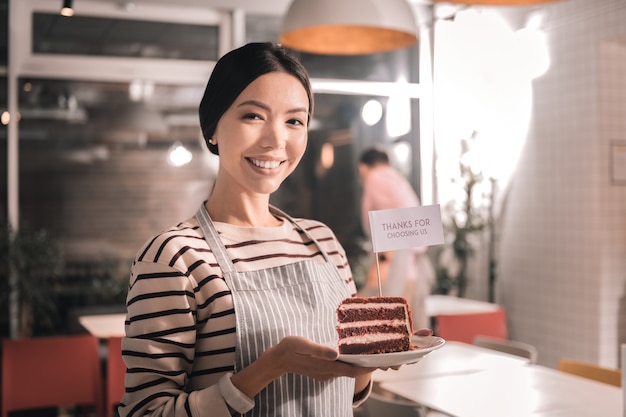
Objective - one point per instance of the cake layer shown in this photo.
(366, 329)
(369, 338)
(374, 300)
(357, 312)
(374, 325)
(376, 347)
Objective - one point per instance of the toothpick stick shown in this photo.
(380, 286)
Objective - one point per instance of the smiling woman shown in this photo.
(243, 289)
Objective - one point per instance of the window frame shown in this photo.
(110, 68)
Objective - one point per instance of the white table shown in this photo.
(104, 325)
(497, 387)
(447, 304)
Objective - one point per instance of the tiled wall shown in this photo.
(562, 259)
(613, 137)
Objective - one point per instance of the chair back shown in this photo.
(464, 327)
(513, 347)
(51, 371)
(591, 371)
(116, 371)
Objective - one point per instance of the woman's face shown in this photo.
(263, 134)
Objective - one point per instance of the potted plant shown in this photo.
(32, 258)
(465, 218)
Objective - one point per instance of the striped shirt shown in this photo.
(180, 326)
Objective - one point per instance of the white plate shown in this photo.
(427, 344)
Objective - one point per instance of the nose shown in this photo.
(275, 136)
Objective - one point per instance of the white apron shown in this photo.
(298, 299)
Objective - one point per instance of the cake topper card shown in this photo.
(406, 228)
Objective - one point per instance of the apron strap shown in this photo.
(215, 243)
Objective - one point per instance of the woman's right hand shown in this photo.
(302, 356)
(296, 355)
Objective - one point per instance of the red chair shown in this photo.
(116, 371)
(463, 327)
(49, 372)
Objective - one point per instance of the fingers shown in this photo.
(302, 356)
(323, 352)
(307, 348)
(424, 332)
(386, 368)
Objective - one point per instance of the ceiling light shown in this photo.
(5, 118)
(327, 156)
(372, 112)
(178, 155)
(67, 9)
(348, 27)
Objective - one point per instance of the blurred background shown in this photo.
(512, 118)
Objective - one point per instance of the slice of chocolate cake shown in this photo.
(372, 325)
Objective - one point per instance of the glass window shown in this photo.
(95, 173)
(107, 36)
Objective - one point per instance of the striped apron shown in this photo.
(298, 299)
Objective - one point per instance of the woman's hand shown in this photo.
(302, 356)
(296, 355)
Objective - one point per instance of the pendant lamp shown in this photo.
(67, 9)
(348, 27)
(496, 2)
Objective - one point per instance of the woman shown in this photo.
(233, 310)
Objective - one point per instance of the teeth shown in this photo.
(266, 164)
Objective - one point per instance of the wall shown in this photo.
(104, 210)
(562, 255)
(613, 133)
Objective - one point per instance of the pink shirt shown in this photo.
(385, 188)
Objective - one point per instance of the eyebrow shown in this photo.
(266, 107)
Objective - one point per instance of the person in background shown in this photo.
(233, 311)
(409, 272)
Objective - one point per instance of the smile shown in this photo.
(266, 164)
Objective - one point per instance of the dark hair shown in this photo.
(235, 71)
(374, 156)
